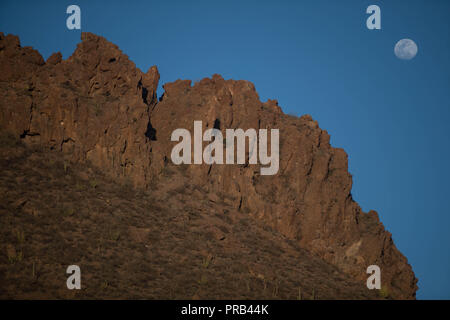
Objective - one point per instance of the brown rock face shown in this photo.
(97, 106)
(93, 106)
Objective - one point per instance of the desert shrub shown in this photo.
(384, 292)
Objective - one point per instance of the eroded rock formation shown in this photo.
(97, 106)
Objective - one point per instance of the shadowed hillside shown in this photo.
(172, 242)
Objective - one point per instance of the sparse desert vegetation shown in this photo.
(164, 243)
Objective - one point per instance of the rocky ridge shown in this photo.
(96, 107)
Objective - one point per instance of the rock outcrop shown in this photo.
(94, 106)
(97, 106)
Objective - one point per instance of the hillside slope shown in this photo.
(169, 243)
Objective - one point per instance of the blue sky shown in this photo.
(315, 57)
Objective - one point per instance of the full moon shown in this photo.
(405, 49)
